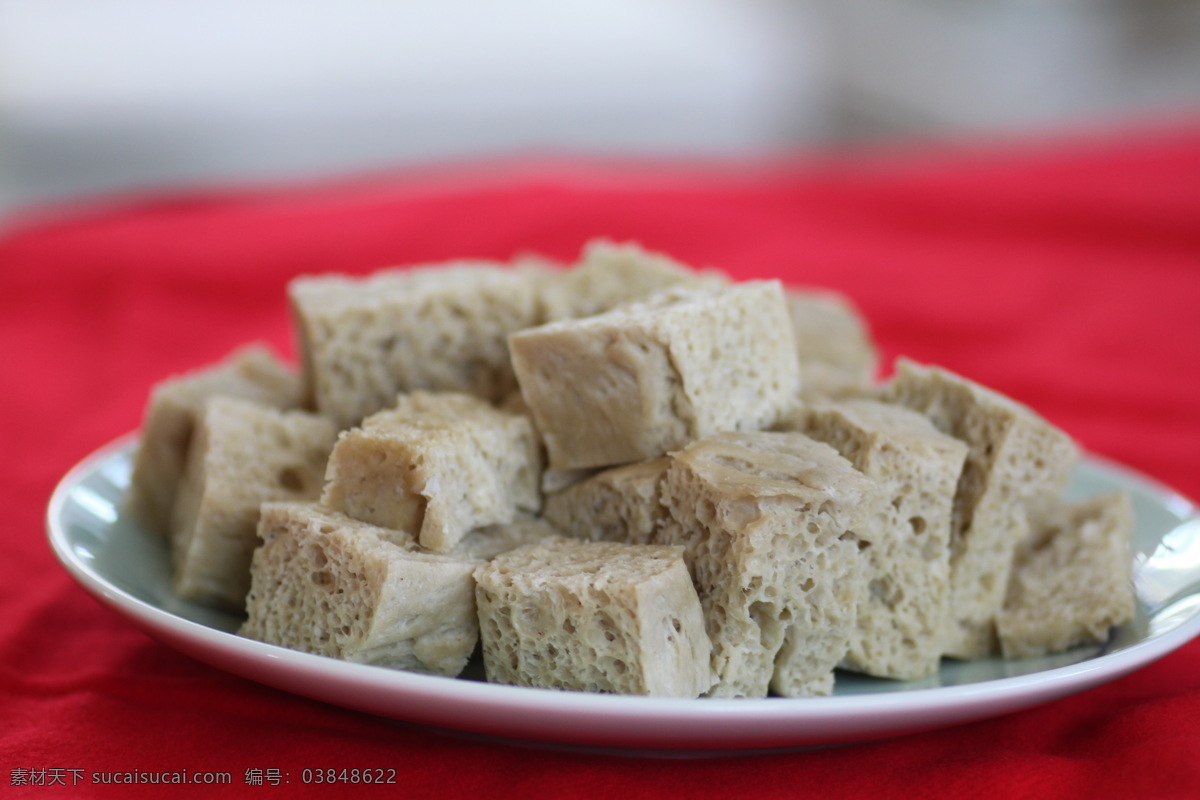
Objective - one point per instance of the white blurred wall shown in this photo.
(102, 96)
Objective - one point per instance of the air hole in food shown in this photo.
(290, 479)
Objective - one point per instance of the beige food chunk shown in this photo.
(481, 544)
(636, 382)
(491, 540)
(900, 624)
(438, 328)
(593, 616)
(242, 455)
(326, 584)
(837, 356)
(620, 504)
(1072, 578)
(772, 527)
(251, 373)
(437, 465)
(610, 274)
(1014, 457)
(555, 480)
(552, 480)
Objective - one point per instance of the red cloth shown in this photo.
(1067, 276)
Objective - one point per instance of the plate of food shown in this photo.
(624, 524)
(128, 570)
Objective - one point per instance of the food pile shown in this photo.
(622, 475)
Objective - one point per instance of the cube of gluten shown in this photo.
(436, 328)
(900, 624)
(772, 526)
(552, 480)
(242, 455)
(610, 274)
(1014, 457)
(437, 465)
(837, 355)
(620, 504)
(647, 378)
(175, 404)
(326, 584)
(1072, 577)
(593, 616)
(491, 540)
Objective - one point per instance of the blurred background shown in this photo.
(104, 97)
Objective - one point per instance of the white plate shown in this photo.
(127, 569)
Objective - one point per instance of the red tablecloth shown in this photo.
(1066, 275)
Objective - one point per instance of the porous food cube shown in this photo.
(555, 480)
(593, 616)
(1072, 577)
(251, 373)
(491, 540)
(900, 623)
(242, 455)
(437, 328)
(837, 356)
(646, 378)
(1014, 457)
(610, 274)
(327, 584)
(437, 465)
(619, 504)
(772, 526)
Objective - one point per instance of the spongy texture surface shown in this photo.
(648, 377)
(326, 584)
(609, 274)
(621, 504)
(1071, 580)
(439, 328)
(242, 455)
(1014, 457)
(170, 417)
(837, 355)
(771, 525)
(593, 616)
(437, 465)
(900, 623)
